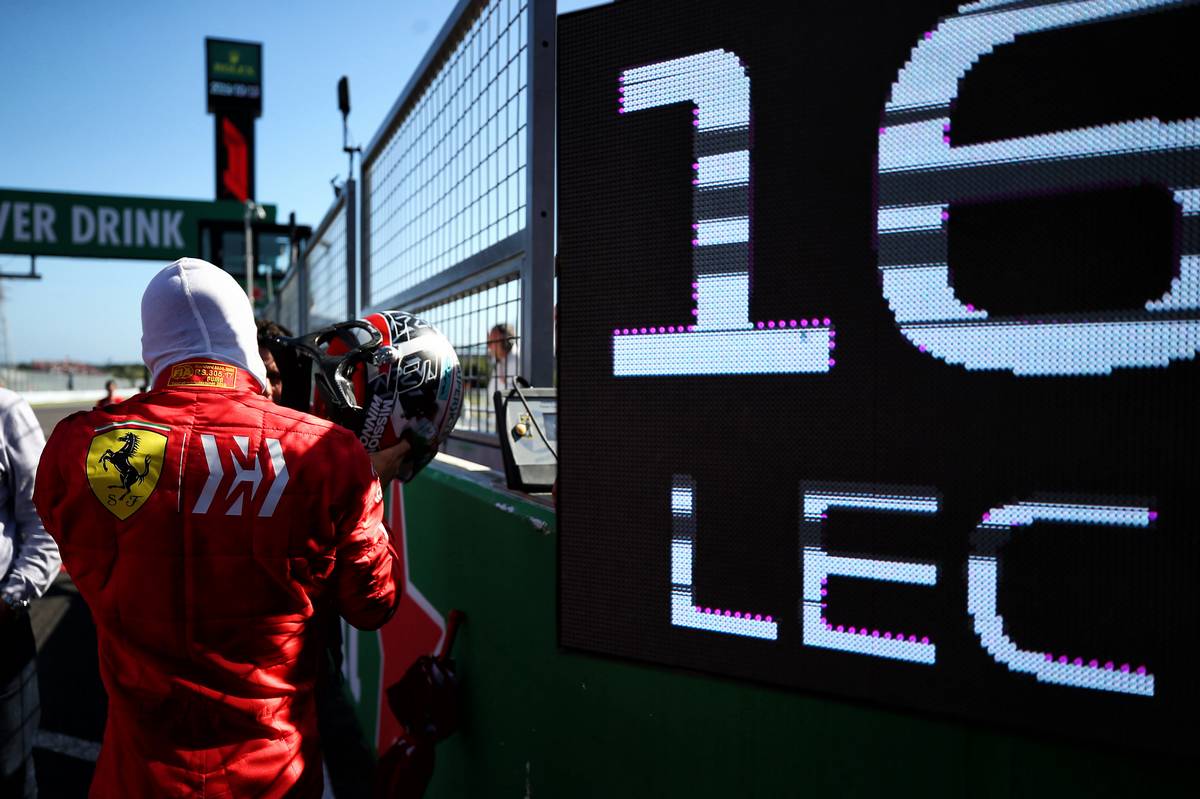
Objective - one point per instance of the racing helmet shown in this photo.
(389, 377)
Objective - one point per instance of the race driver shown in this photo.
(205, 525)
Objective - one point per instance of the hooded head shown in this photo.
(192, 309)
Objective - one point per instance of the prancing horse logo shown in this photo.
(120, 459)
(124, 463)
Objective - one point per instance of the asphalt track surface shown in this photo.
(74, 704)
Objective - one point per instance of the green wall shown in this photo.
(540, 722)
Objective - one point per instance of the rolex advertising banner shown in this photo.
(99, 226)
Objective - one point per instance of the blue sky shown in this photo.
(108, 98)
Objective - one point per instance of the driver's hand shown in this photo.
(387, 462)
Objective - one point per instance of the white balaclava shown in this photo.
(192, 309)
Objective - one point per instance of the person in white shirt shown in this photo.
(29, 562)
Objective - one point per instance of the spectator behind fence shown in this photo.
(207, 528)
(29, 562)
(110, 395)
(506, 359)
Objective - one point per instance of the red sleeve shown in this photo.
(368, 582)
(49, 491)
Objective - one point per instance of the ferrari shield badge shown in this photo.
(124, 464)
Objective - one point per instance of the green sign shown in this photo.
(234, 71)
(99, 226)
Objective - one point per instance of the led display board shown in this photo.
(233, 75)
(877, 365)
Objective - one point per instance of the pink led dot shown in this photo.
(695, 284)
(803, 323)
(946, 127)
(737, 615)
(791, 322)
(695, 312)
(695, 242)
(695, 165)
(832, 362)
(945, 215)
(662, 330)
(1152, 515)
(671, 329)
(824, 592)
(759, 325)
(727, 613)
(625, 331)
(912, 639)
(696, 123)
(824, 580)
(1124, 668)
(987, 517)
(695, 296)
(696, 608)
(921, 347)
(708, 610)
(1094, 663)
(816, 322)
(882, 131)
(620, 110)
(782, 323)
(1141, 670)
(970, 307)
(692, 328)
(925, 639)
(1109, 665)
(696, 112)
(945, 140)
(768, 618)
(617, 332)
(832, 345)
(899, 636)
(643, 330)
(826, 321)
(695, 226)
(852, 631)
(758, 617)
(1078, 661)
(695, 182)
(1062, 658)
(928, 34)
(874, 633)
(1049, 657)
(887, 636)
(770, 324)
(832, 332)
(841, 628)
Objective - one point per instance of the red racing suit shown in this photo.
(205, 526)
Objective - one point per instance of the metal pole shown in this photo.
(351, 271)
(537, 269)
(249, 252)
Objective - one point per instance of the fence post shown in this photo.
(351, 261)
(537, 268)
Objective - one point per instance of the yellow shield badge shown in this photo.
(124, 464)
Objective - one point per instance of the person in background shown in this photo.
(268, 332)
(29, 562)
(208, 529)
(110, 395)
(506, 359)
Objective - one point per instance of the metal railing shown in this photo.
(326, 274)
(457, 199)
(457, 185)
